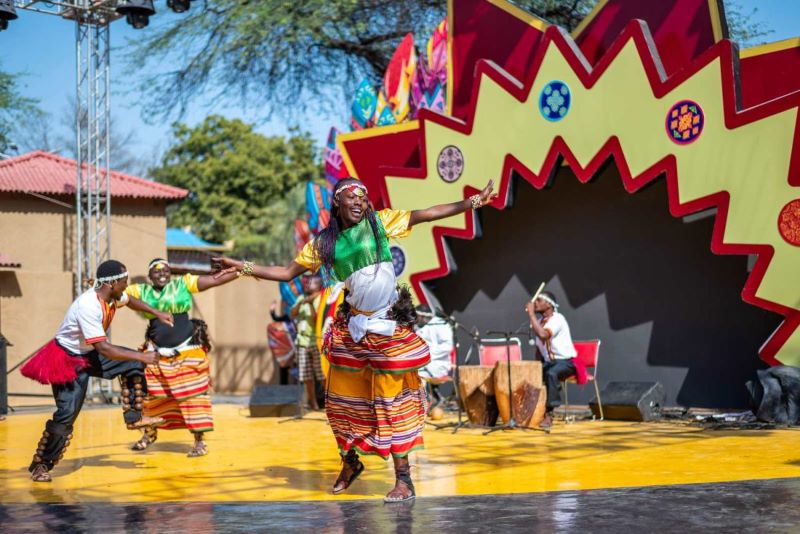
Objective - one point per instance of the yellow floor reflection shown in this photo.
(263, 460)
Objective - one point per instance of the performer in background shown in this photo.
(304, 313)
(81, 350)
(375, 401)
(178, 383)
(281, 334)
(436, 332)
(554, 341)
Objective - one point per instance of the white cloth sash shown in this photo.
(172, 351)
(376, 323)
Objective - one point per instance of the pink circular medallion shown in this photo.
(450, 164)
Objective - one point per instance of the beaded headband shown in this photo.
(112, 278)
(356, 187)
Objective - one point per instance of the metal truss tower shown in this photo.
(92, 19)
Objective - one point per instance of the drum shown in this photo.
(476, 389)
(529, 395)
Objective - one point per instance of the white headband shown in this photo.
(156, 262)
(548, 300)
(113, 278)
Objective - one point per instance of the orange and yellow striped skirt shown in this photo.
(377, 405)
(178, 391)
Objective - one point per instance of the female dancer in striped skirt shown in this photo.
(375, 402)
(178, 384)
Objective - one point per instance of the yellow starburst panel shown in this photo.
(687, 127)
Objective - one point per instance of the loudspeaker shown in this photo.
(630, 401)
(276, 401)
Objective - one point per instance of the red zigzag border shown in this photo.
(660, 85)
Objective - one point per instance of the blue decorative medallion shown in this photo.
(398, 259)
(555, 100)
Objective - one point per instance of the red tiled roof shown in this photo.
(49, 174)
(5, 261)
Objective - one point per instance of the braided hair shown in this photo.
(200, 334)
(325, 242)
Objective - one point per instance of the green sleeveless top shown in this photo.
(175, 297)
(356, 248)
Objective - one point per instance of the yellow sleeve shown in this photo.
(134, 290)
(395, 222)
(308, 257)
(191, 282)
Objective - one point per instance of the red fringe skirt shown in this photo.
(54, 365)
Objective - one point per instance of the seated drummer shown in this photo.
(554, 342)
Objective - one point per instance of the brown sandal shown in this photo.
(148, 438)
(40, 473)
(356, 468)
(404, 476)
(200, 449)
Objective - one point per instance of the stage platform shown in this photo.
(263, 475)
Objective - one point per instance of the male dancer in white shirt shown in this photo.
(81, 350)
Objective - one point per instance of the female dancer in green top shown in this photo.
(375, 401)
(178, 384)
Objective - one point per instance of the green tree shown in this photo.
(289, 57)
(243, 185)
(14, 107)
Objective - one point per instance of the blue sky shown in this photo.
(42, 46)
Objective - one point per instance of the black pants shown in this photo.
(69, 401)
(554, 372)
(283, 375)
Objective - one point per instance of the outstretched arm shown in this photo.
(442, 211)
(208, 281)
(271, 272)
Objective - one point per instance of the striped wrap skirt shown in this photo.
(376, 402)
(178, 390)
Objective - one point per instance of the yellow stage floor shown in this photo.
(262, 460)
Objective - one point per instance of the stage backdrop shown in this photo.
(624, 271)
(657, 88)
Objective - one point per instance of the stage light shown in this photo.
(178, 6)
(137, 12)
(7, 12)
